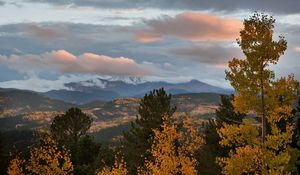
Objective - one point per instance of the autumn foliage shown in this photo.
(119, 168)
(47, 159)
(173, 150)
(261, 145)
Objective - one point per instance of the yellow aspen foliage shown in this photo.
(119, 168)
(238, 135)
(172, 151)
(273, 153)
(243, 160)
(15, 167)
(49, 159)
(257, 90)
(191, 137)
(259, 94)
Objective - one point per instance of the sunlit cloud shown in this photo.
(208, 53)
(191, 26)
(62, 62)
(297, 49)
(46, 32)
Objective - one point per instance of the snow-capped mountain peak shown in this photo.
(127, 79)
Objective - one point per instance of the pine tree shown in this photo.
(294, 149)
(296, 120)
(138, 139)
(211, 149)
(69, 127)
(4, 157)
(226, 113)
(89, 154)
(259, 93)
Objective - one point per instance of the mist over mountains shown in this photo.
(107, 89)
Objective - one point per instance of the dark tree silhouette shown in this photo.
(226, 114)
(138, 139)
(69, 127)
(294, 164)
(208, 153)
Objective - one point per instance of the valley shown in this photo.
(26, 110)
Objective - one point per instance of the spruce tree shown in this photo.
(294, 164)
(4, 157)
(69, 129)
(72, 125)
(226, 113)
(139, 138)
(207, 154)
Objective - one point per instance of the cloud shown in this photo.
(77, 38)
(297, 49)
(55, 31)
(277, 6)
(114, 41)
(64, 62)
(147, 36)
(38, 84)
(190, 26)
(215, 54)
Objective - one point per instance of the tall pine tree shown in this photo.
(294, 164)
(139, 138)
(208, 152)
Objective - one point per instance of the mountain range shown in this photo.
(112, 103)
(22, 111)
(106, 90)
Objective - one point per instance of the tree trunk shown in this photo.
(263, 117)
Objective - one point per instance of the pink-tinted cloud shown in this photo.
(214, 54)
(297, 49)
(191, 26)
(62, 61)
(147, 37)
(46, 32)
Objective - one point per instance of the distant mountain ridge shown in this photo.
(108, 89)
(28, 110)
(27, 101)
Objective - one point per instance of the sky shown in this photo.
(47, 43)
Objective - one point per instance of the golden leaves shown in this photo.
(238, 135)
(119, 168)
(16, 166)
(46, 159)
(172, 150)
(259, 93)
(244, 160)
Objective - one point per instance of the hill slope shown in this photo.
(27, 110)
(20, 101)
